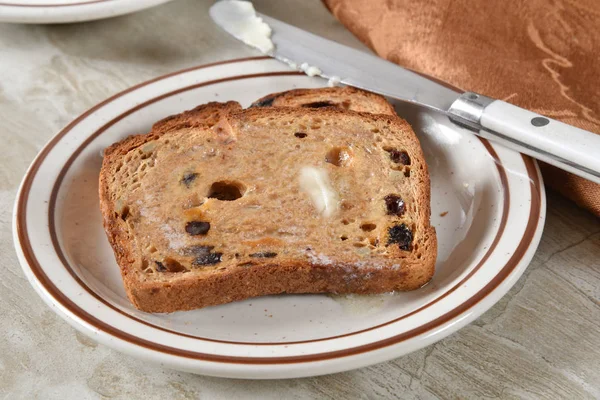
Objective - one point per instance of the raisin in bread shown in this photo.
(346, 98)
(220, 204)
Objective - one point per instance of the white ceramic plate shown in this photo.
(488, 208)
(64, 11)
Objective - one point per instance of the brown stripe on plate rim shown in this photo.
(84, 316)
(66, 264)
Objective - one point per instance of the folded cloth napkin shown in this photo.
(543, 55)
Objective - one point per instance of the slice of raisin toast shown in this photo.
(220, 204)
(345, 98)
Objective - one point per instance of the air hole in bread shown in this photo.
(368, 227)
(407, 172)
(339, 156)
(226, 190)
(343, 237)
(347, 221)
(172, 265)
(124, 213)
(152, 249)
(300, 135)
(374, 242)
(360, 245)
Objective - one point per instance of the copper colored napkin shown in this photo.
(543, 55)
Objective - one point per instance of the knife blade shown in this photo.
(564, 146)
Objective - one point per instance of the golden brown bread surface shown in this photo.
(209, 207)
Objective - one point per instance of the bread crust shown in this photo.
(345, 98)
(186, 291)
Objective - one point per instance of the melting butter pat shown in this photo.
(315, 182)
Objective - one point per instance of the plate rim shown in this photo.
(51, 13)
(52, 5)
(533, 229)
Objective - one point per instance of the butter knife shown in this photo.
(562, 145)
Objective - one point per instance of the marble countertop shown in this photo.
(542, 340)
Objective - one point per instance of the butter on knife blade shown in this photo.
(246, 26)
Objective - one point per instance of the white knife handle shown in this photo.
(564, 146)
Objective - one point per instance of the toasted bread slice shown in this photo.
(267, 201)
(345, 98)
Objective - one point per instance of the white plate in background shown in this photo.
(64, 11)
(488, 207)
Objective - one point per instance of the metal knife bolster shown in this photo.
(468, 109)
